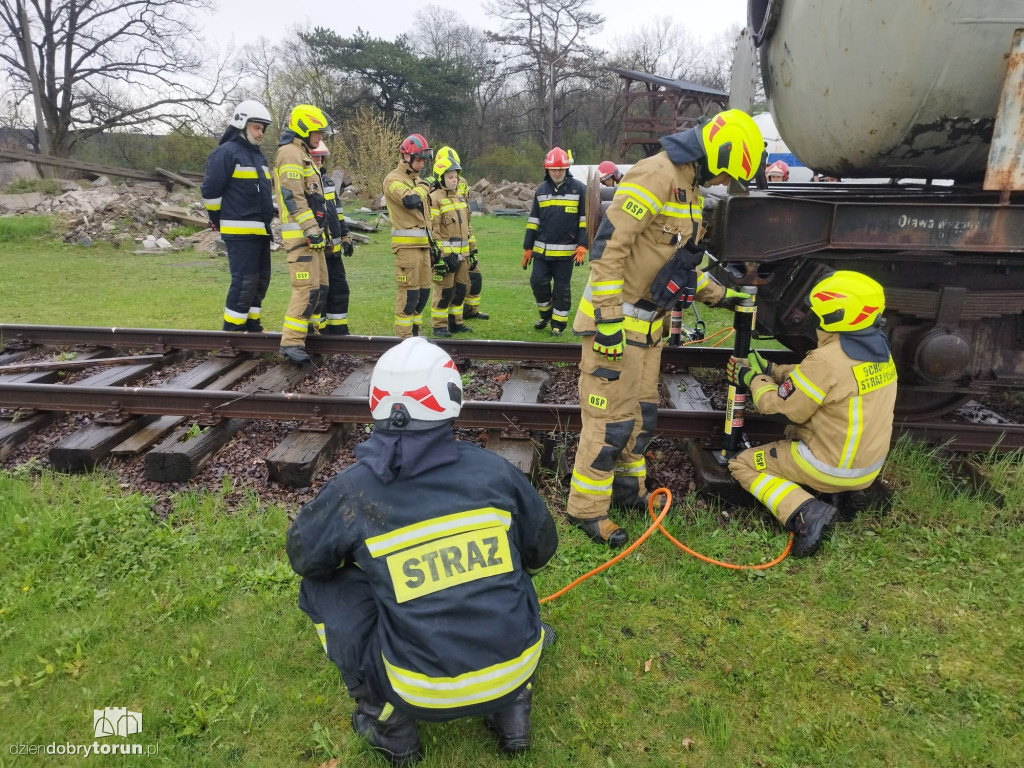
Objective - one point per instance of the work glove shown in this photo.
(731, 299)
(527, 257)
(758, 364)
(581, 255)
(610, 340)
(676, 281)
(316, 242)
(473, 259)
(738, 373)
(451, 261)
(346, 246)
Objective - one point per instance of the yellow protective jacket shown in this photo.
(842, 411)
(410, 227)
(298, 188)
(464, 192)
(449, 222)
(655, 210)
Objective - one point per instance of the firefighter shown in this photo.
(609, 174)
(450, 230)
(299, 197)
(409, 209)
(335, 316)
(476, 281)
(555, 240)
(643, 262)
(239, 198)
(840, 401)
(777, 171)
(417, 581)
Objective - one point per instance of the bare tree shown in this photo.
(660, 47)
(549, 42)
(99, 65)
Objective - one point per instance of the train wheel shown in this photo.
(913, 404)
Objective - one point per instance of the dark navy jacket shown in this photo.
(237, 190)
(558, 219)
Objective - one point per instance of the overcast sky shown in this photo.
(247, 20)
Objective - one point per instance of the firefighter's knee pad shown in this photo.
(476, 280)
(445, 298)
(648, 426)
(616, 435)
(412, 295)
(460, 293)
(421, 302)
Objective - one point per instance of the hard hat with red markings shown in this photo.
(733, 145)
(847, 301)
(557, 158)
(415, 385)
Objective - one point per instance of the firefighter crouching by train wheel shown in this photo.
(418, 582)
(239, 198)
(840, 400)
(476, 281)
(643, 261)
(409, 210)
(555, 240)
(299, 196)
(450, 230)
(335, 315)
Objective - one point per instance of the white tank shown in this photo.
(886, 88)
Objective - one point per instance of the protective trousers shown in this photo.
(336, 308)
(413, 278)
(771, 475)
(553, 304)
(619, 410)
(308, 270)
(476, 283)
(249, 262)
(344, 613)
(449, 296)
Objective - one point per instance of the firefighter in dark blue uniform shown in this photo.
(556, 238)
(335, 317)
(417, 581)
(238, 194)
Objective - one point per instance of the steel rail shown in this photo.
(211, 406)
(22, 336)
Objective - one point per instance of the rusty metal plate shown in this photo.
(1006, 155)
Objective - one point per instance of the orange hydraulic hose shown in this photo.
(657, 525)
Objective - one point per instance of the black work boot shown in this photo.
(512, 724)
(639, 504)
(601, 530)
(337, 330)
(415, 329)
(253, 326)
(811, 523)
(442, 333)
(393, 734)
(477, 316)
(295, 354)
(545, 318)
(455, 327)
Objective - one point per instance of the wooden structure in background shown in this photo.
(672, 106)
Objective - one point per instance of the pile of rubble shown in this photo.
(139, 217)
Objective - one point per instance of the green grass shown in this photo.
(900, 645)
(43, 186)
(186, 289)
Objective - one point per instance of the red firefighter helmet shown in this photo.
(778, 168)
(414, 385)
(557, 158)
(608, 169)
(416, 146)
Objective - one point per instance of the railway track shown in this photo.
(181, 423)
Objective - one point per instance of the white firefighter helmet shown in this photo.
(250, 111)
(415, 385)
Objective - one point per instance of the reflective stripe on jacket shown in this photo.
(410, 226)
(558, 219)
(447, 561)
(841, 409)
(237, 190)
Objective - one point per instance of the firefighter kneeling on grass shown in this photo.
(643, 262)
(840, 399)
(419, 582)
